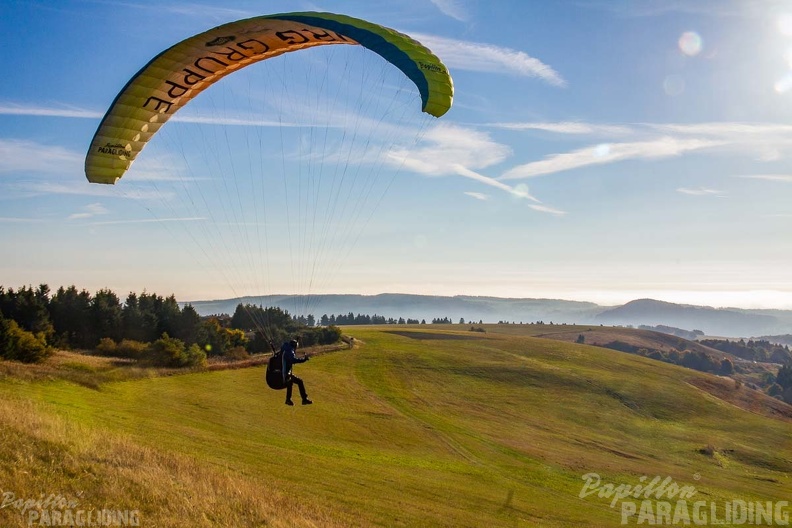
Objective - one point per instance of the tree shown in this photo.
(188, 327)
(784, 376)
(70, 314)
(727, 367)
(139, 318)
(19, 344)
(106, 317)
(219, 339)
(29, 308)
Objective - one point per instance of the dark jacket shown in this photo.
(289, 358)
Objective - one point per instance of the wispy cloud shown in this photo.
(568, 127)
(89, 211)
(201, 10)
(476, 56)
(150, 220)
(20, 220)
(182, 117)
(725, 129)
(83, 188)
(763, 141)
(520, 191)
(547, 209)
(48, 111)
(452, 150)
(447, 147)
(787, 178)
(452, 8)
(605, 153)
(28, 156)
(652, 8)
(701, 191)
(478, 195)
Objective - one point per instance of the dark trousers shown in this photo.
(300, 385)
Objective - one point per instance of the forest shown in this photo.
(146, 327)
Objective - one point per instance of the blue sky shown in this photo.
(596, 150)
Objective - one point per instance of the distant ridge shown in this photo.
(712, 321)
(725, 322)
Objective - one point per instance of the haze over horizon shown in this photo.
(599, 151)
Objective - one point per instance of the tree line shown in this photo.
(145, 326)
(759, 350)
(350, 319)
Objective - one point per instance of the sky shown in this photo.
(596, 150)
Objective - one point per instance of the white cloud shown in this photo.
(701, 191)
(568, 127)
(201, 10)
(652, 8)
(89, 211)
(769, 177)
(19, 220)
(448, 147)
(453, 8)
(663, 147)
(454, 150)
(84, 188)
(520, 191)
(475, 56)
(151, 220)
(478, 195)
(726, 129)
(28, 156)
(547, 209)
(47, 111)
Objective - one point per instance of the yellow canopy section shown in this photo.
(181, 72)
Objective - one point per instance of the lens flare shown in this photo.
(602, 150)
(784, 84)
(690, 43)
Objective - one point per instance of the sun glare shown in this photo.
(690, 43)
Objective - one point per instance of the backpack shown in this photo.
(274, 373)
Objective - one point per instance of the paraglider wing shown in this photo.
(181, 72)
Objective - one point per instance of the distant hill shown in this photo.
(724, 322)
(712, 321)
(471, 308)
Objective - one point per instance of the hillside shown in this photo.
(727, 322)
(417, 427)
(751, 373)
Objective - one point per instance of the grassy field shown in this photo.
(412, 427)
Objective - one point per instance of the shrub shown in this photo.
(330, 335)
(20, 345)
(106, 347)
(237, 352)
(195, 356)
(129, 348)
(170, 352)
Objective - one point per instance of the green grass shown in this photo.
(492, 430)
